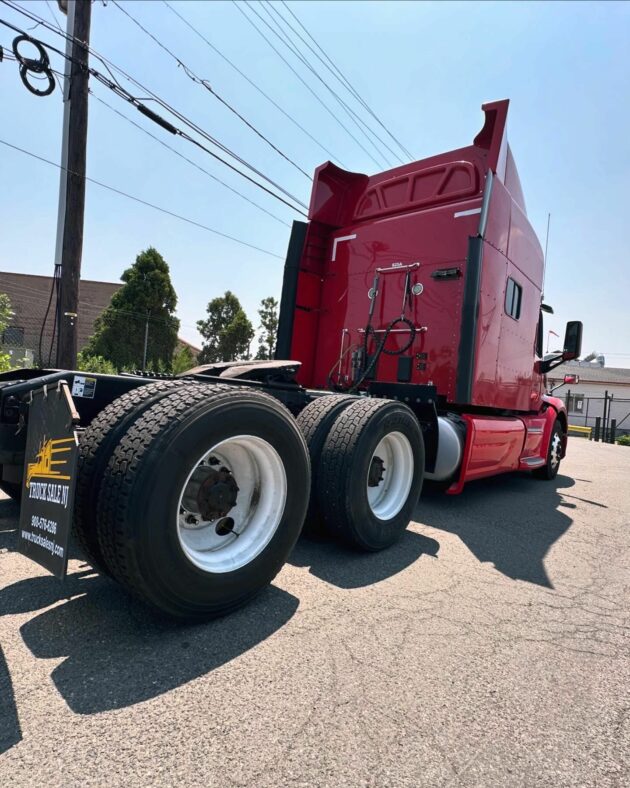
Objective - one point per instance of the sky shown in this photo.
(424, 68)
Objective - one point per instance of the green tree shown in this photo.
(227, 331)
(7, 360)
(6, 313)
(87, 363)
(183, 360)
(269, 328)
(145, 303)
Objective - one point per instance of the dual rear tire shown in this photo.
(367, 457)
(192, 496)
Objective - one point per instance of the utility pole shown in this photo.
(69, 246)
(146, 343)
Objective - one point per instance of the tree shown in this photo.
(183, 360)
(145, 303)
(88, 363)
(227, 331)
(269, 327)
(6, 313)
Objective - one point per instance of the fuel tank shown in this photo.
(451, 438)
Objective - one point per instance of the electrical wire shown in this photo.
(45, 320)
(7, 54)
(281, 32)
(299, 77)
(297, 33)
(57, 321)
(251, 82)
(205, 83)
(143, 202)
(190, 161)
(52, 15)
(114, 85)
(348, 84)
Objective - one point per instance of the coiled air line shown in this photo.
(370, 331)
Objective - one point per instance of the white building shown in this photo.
(601, 391)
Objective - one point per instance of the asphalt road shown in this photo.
(488, 648)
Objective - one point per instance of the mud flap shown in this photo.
(50, 467)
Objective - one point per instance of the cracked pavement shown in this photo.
(488, 648)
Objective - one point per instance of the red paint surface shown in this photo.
(493, 445)
(404, 216)
(408, 216)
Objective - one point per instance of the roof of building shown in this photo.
(30, 293)
(592, 374)
(196, 350)
(32, 324)
(46, 278)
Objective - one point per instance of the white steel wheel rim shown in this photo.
(389, 496)
(555, 450)
(261, 478)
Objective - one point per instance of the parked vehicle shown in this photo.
(409, 348)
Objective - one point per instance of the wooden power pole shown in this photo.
(69, 245)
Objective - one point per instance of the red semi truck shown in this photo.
(409, 348)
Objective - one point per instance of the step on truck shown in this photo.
(409, 349)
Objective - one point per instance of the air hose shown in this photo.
(381, 347)
(369, 331)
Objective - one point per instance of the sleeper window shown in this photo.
(513, 296)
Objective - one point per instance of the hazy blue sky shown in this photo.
(425, 68)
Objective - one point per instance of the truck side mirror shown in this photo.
(567, 378)
(572, 340)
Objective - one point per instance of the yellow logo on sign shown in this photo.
(43, 467)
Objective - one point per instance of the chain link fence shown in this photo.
(607, 416)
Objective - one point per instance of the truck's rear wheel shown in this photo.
(315, 422)
(96, 445)
(554, 455)
(370, 473)
(203, 500)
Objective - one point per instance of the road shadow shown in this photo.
(510, 521)
(10, 732)
(117, 651)
(347, 568)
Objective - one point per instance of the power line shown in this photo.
(285, 39)
(348, 84)
(282, 33)
(251, 82)
(115, 86)
(190, 161)
(239, 6)
(205, 83)
(121, 92)
(52, 15)
(334, 73)
(306, 85)
(143, 202)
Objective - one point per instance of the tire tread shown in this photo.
(315, 422)
(95, 447)
(148, 435)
